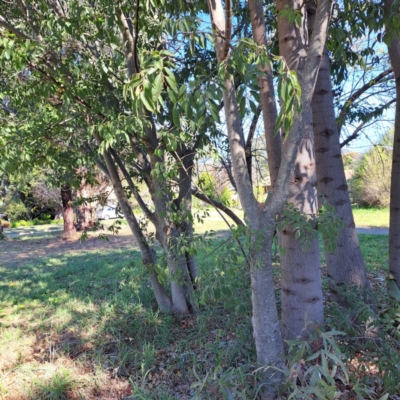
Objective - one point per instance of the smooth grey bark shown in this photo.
(345, 265)
(267, 95)
(394, 223)
(261, 217)
(68, 211)
(268, 341)
(302, 300)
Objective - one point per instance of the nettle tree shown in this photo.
(130, 88)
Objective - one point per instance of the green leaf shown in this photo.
(392, 289)
(176, 117)
(172, 84)
(147, 102)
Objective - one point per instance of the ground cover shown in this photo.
(78, 321)
(371, 217)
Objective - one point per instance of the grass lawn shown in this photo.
(371, 217)
(82, 323)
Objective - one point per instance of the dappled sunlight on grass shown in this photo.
(84, 324)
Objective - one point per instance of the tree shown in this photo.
(261, 218)
(393, 41)
(302, 300)
(371, 181)
(345, 264)
(128, 103)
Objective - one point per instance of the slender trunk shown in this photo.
(394, 227)
(267, 337)
(345, 265)
(68, 212)
(148, 255)
(267, 95)
(302, 301)
(184, 202)
(167, 232)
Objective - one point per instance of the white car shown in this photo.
(109, 211)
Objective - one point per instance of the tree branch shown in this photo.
(249, 141)
(135, 39)
(12, 29)
(217, 204)
(132, 186)
(357, 94)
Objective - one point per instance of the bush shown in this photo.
(370, 185)
(18, 224)
(16, 210)
(35, 222)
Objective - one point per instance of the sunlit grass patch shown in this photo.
(371, 217)
(86, 326)
(55, 385)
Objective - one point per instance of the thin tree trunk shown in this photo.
(148, 255)
(302, 301)
(268, 341)
(167, 232)
(345, 265)
(394, 227)
(267, 95)
(68, 211)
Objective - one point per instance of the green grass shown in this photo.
(371, 217)
(70, 323)
(86, 325)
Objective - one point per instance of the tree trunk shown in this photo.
(167, 232)
(148, 255)
(345, 265)
(394, 227)
(267, 96)
(261, 217)
(268, 341)
(68, 212)
(302, 301)
(85, 214)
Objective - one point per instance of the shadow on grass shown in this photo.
(95, 312)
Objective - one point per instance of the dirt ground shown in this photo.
(14, 251)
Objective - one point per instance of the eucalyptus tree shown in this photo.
(301, 290)
(261, 218)
(345, 264)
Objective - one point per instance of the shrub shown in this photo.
(18, 224)
(16, 210)
(370, 185)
